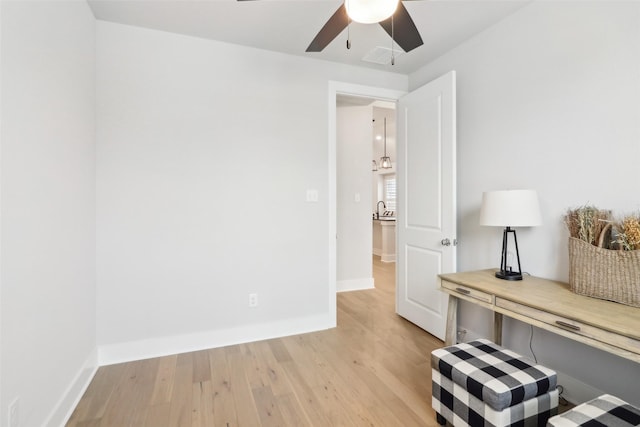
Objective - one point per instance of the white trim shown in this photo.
(335, 88)
(388, 258)
(2, 413)
(355, 284)
(163, 346)
(62, 411)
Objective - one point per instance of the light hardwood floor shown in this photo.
(372, 370)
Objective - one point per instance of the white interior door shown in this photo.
(426, 217)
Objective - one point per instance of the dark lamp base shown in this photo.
(508, 275)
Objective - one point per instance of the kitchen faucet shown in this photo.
(378, 208)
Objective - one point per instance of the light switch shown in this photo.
(356, 197)
(312, 196)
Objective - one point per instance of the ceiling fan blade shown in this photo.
(334, 26)
(405, 32)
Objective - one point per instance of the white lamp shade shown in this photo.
(510, 208)
(370, 11)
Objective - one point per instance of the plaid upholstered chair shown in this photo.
(605, 410)
(482, 384)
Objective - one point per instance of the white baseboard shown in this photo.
(72, 395)
(384, 257)
(110, 354)
(388, 258)
(354, 284)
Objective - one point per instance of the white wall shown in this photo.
(354, 152)
(47, 208)
(206, 151)
(548, 99)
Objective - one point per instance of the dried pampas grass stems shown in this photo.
(629, 232)
(587, 223)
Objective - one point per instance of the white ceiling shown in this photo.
(289, 25)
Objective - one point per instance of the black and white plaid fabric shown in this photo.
(452, 402)
(496, 376)
(604, 411)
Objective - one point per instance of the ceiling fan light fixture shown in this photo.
(370, 11)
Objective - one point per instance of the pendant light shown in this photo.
(385, 161)
(370, 11)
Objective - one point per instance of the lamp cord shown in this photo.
(531, 344)
(562, 400)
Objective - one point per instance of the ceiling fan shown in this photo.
(399, 26)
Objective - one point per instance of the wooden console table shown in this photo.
(546, 304)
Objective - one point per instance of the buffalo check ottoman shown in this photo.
(602, 411)
(481, 384)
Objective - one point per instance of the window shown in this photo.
(389, 189)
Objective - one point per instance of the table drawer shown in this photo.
(468, 292)
(571, 325)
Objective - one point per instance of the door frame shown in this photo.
(343, 88)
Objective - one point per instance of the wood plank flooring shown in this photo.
(372, 370)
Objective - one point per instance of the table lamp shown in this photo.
(510, 208)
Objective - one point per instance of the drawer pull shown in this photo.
(567, 325)
(463, 291)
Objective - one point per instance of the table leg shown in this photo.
(452, 322)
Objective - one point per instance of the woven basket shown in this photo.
(604, 273)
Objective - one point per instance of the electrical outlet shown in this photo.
(253, 300)
(312, 195)
(14, 413)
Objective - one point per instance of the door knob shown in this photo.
(445, 242)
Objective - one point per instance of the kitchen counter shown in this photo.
(384, 238)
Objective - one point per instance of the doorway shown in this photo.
(365, 189)
(426, 176)
(348, 89)
(383, 183)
